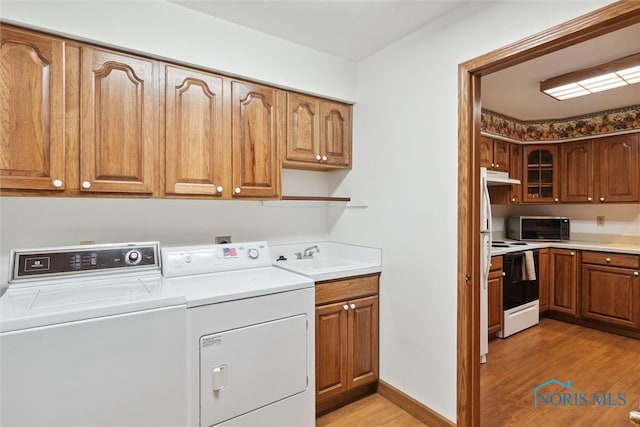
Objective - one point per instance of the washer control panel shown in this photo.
(201, 259)
(37, 263)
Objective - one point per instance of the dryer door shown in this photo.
(251, 367)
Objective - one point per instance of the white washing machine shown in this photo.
(87, 337)
(250, 336)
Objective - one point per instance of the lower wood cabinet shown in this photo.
(563, 281)
(543, 279)
(611, 288)
(495, 311)
(346, 338)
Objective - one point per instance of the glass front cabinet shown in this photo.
(540, 177)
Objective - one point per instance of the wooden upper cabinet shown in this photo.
(256, 128)
(318, 133)
(540, 174)
(515, 172)
(577, 167)
(119, 118)
(32, 142)
(494, 154)
(335, 134)
(196, 142)
(303, 129)
(619, 168)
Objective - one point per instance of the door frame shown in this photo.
(601, 21)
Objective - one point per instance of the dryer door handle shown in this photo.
(219, 378)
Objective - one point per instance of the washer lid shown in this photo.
(214, 288)
(22, 308)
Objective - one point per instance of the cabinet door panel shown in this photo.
(578, 169)
(195, 148)
(563, 284)
(336, 133)
(543, 279)
(303, 129)
(495, 312)
(119, 119)
(619, 162)
(331, 350)
(486, 152)
(364, 341)
(540, 174)
(611, 295)
(501, 155)
(32, 144)
(515, 172)
(255, 140)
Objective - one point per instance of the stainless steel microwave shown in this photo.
(550, 228)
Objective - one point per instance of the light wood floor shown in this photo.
(373, 410)
(594, 362)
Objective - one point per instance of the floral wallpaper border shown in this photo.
(620, 120)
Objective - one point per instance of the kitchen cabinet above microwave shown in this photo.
(494, 154)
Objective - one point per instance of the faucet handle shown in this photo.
(298, 255)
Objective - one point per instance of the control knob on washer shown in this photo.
(253, 253)
(133, 257)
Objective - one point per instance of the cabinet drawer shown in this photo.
(610, 258)
(344, 289)
(496, 263)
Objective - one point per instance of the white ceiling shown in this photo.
(348, 29)
(355, 29)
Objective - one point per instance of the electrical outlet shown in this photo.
(223, 239)
(600, 220)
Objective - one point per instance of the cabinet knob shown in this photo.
(346, 307)
(602, 199)
(607, 259)
(324, 158)
(318, 157)
(493, 165)
(57, 183)
(219, 189)
(237, 190)
(635, 273)
(556, 200)
(589, 199)
(504, 274)
(353, 306)
(513, 199)
(86, 184)
(497, 165)
(573, 253)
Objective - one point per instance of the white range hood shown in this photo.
(500, 178)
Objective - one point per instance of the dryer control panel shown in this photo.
(40, 263)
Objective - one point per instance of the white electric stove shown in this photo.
(88, 337)
(250, 336)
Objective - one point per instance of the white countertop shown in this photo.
(342, 260)
(625, 248)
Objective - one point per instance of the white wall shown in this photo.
(167, 30)
(405, 133)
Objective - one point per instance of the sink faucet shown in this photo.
(308, 252)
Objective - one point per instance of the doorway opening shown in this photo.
(607, 19)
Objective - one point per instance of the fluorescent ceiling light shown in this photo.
(621, 72)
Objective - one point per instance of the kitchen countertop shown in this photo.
(626, 248)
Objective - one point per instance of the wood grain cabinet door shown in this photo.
(363, 337)
(543, 279)
(611, 295)
(255, 139)
(495, 312)
(619, 164)
(303, 129)
(196, 147)
(335, 134)
(331, 350)
(515, 172)
(577, 166)
(486, 152)
(119, 122)
(32, 144)
(563, 283)
(501, 155)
